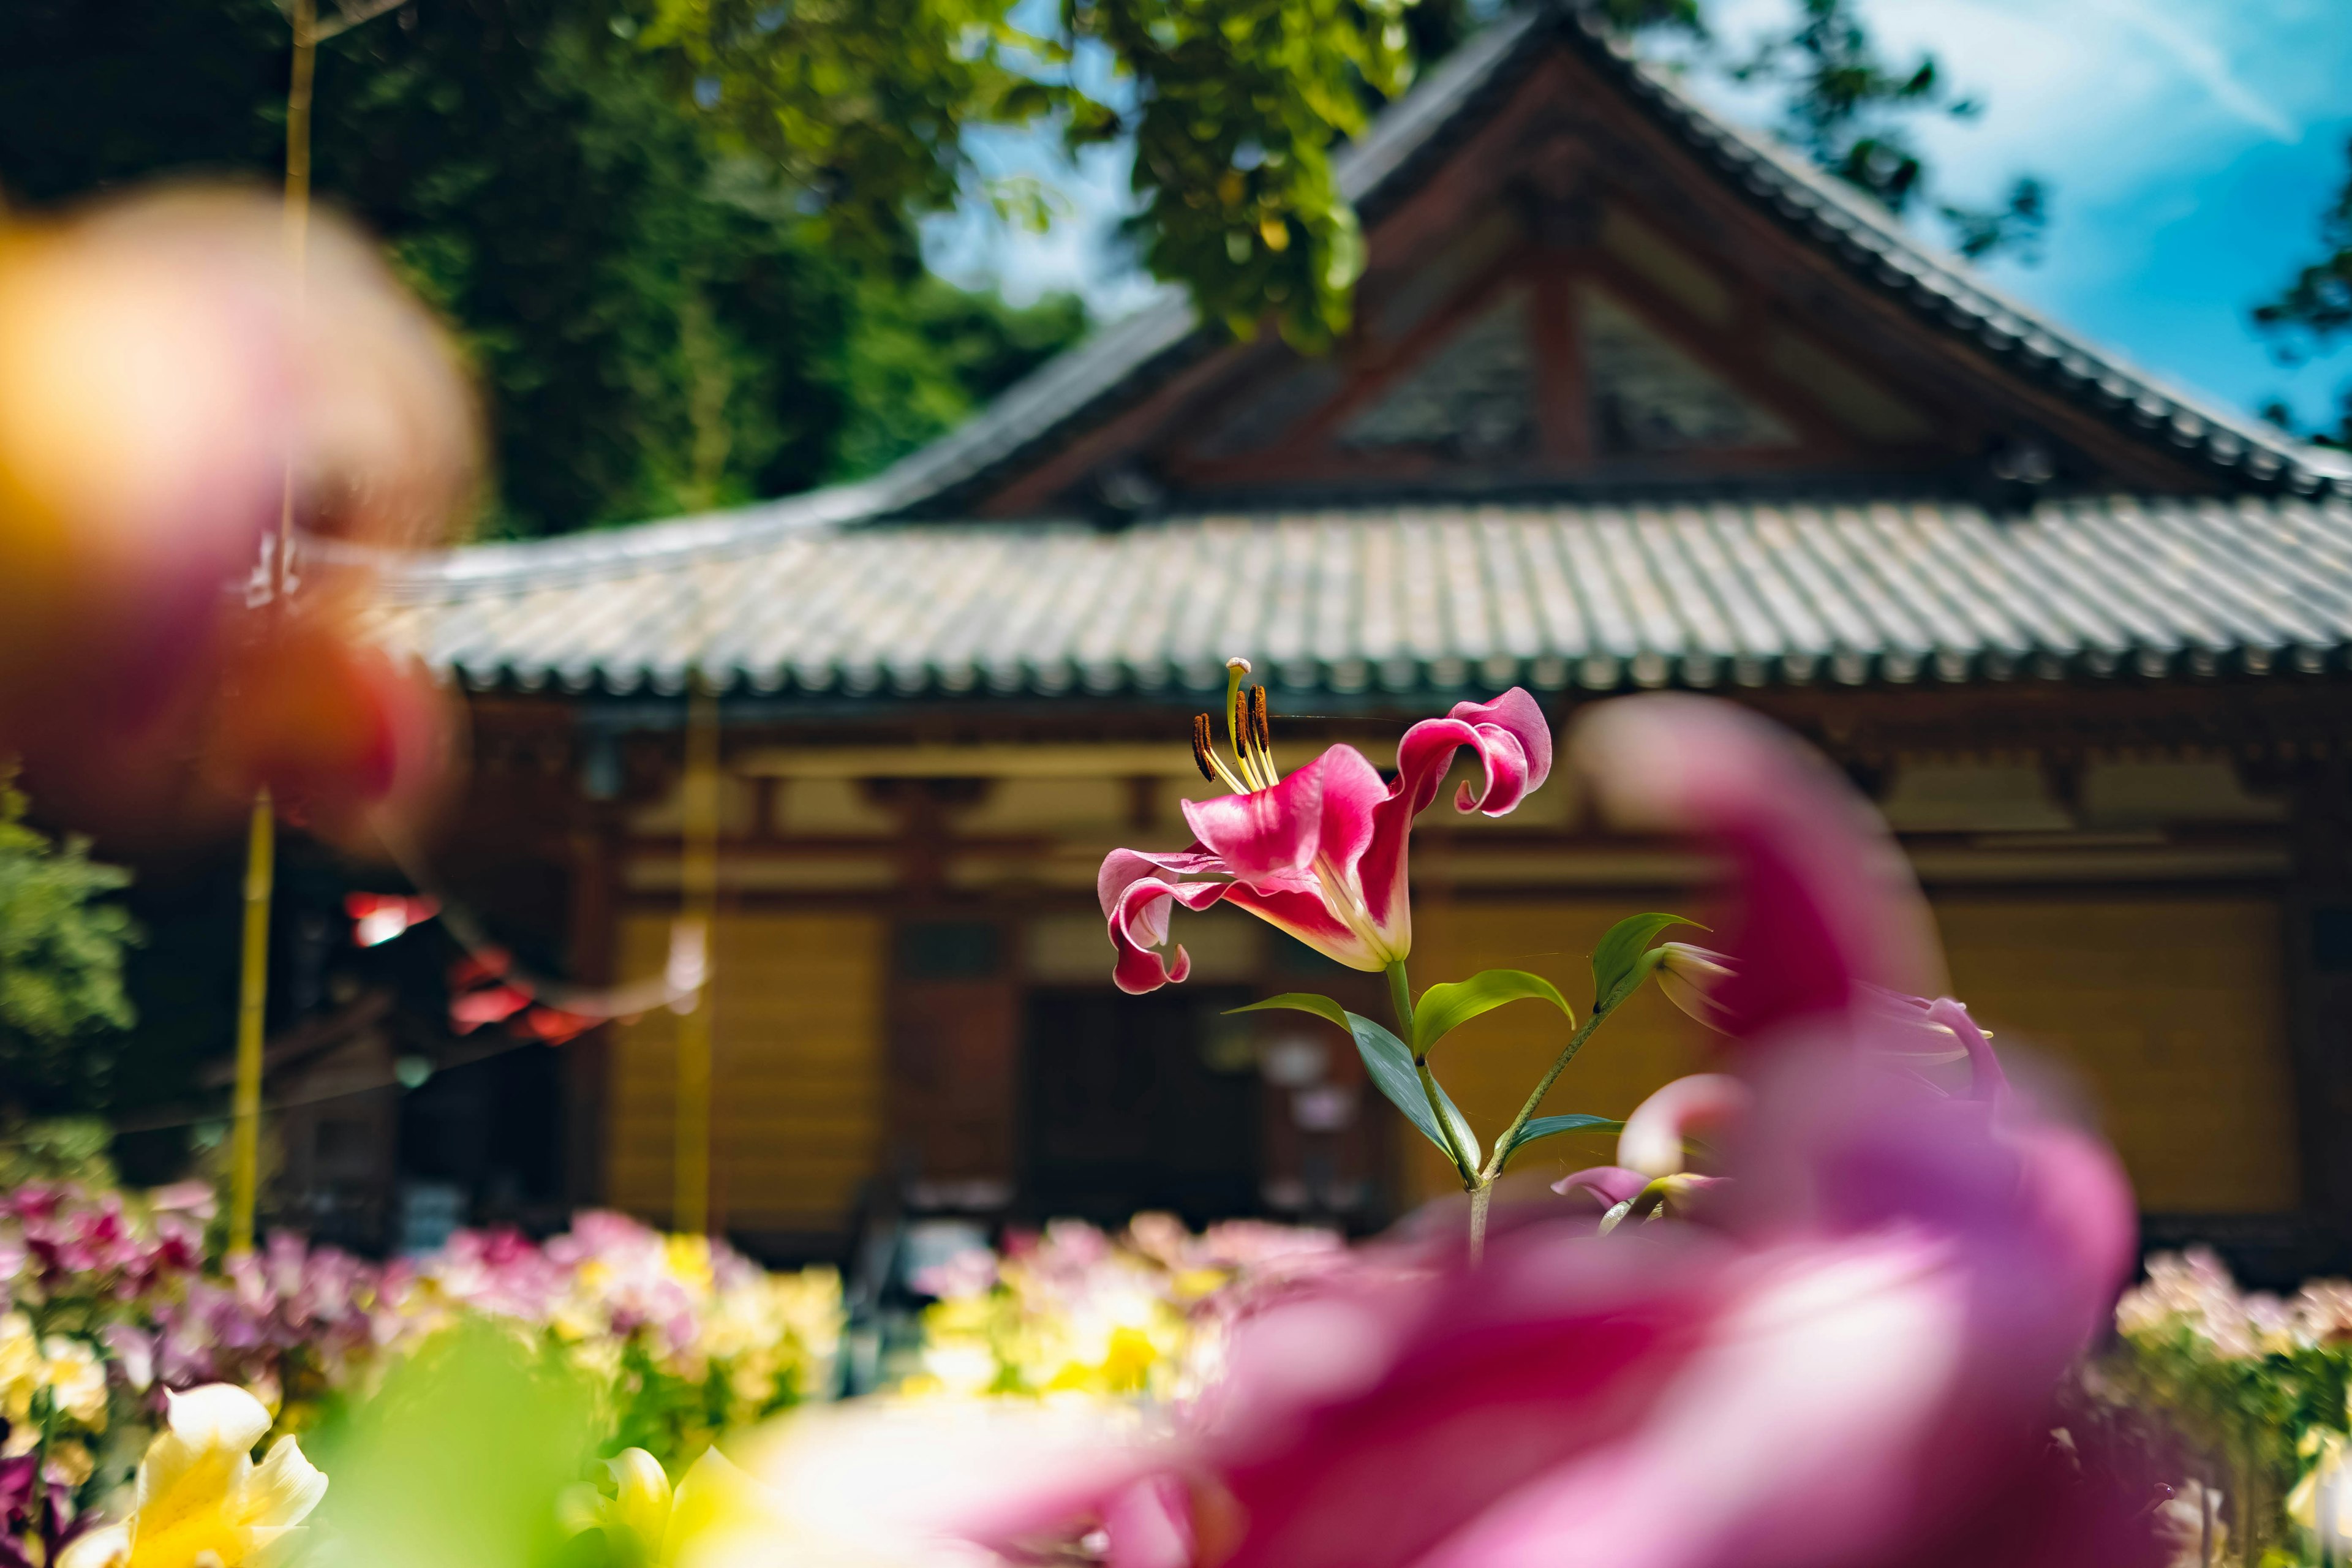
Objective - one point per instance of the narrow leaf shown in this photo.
(1444, 1008)
(1614, 960)
(1392, 1073)
(1300, 1002)
(1546, 1126)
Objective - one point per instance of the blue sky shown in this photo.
(2190, 146)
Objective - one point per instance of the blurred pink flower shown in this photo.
(167, 386)
(1855, 1361)
(1320, 854)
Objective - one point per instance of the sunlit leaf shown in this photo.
(1444, 1008)
(1619, 958)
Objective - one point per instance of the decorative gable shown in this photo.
(1581, 286)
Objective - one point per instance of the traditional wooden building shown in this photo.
(1634, 399)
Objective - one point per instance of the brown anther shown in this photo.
(1261, 728)
(1201, 746)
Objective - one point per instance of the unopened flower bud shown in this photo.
(1691, 978)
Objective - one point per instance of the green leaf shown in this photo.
(1392, 1073)
(1444, 1008)
(1391, 1065)
(1619, 957)
(1548, 1126)
(1300, 1002)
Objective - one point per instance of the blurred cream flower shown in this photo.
(76, 1378)
(2322, 1501)
(1689, 976)
(200, 1501)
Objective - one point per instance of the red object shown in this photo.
(492, 1005)
(378, 918)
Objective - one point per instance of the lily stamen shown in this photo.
(1237, 726)
(1262, 733)
(1204, 756)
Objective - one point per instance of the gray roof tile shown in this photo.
(1436, 597)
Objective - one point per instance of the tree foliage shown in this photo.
(659, 321)
(1845, 107)
(678, 238)
(2313, 313)
(61, 946)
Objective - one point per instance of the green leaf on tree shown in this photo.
(1620, 957)
(1444, 1008)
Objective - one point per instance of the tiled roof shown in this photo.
(1347, 602)
(1127, 360)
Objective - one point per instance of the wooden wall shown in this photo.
(2171, 1008)
(797, 1072)
(2164, 1014)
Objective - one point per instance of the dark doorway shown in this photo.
(1138, 1102)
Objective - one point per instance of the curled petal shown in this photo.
(1514, 745)
(1987, 1081)
(1512, 742)
(1611, 1185)
(1138, 928)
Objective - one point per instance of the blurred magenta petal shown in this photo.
(168, 389)
(1822, 901)
(1691, 1107)
(1853, 1362)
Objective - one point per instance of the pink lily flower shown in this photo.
(1319, 854)
(1851, 1359)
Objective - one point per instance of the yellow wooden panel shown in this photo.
(2167, 1009)
(797, 1064)
(2171, 1010)
(1491, 1063)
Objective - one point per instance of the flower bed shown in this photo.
(2252, 1387)
(108, 1298)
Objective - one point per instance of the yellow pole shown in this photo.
(691, 1206)
(245, 1147)
(261, 832)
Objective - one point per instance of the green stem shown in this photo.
(1479, 1195)
(1568, 1054)
(1400, 998)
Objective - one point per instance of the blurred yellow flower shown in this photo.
(714, 1514)
(199, 1500)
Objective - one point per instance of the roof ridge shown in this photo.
(1817, 185)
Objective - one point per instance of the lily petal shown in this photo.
(1651, 1139)
(1513, 743)
(1322, 812)
(1138, 927)
(286, 1486)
